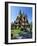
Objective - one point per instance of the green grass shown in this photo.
(15, 32)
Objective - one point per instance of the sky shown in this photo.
(15, 12)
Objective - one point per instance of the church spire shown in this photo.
(21, 12)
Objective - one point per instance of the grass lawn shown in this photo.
(15, 32)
